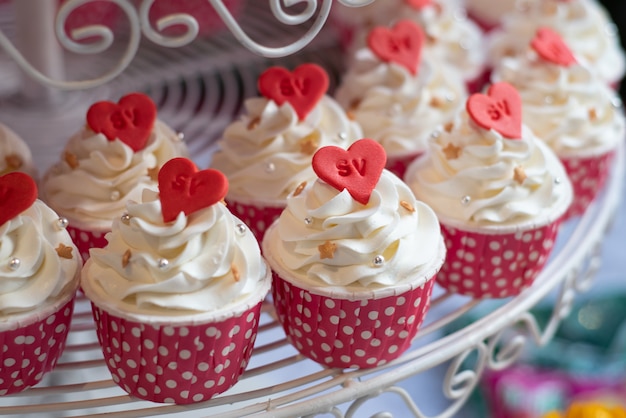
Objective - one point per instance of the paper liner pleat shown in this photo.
(350, 334)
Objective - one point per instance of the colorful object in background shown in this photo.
(590, 410)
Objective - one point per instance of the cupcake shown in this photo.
(39, 276)
(499, 192)
(176, 293)
(583, 24)
(570, 109)
(108, 162)
(451, 37)
(397, 97)
(354, 257)
(267, 152)
(15, 154)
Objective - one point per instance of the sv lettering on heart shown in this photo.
(346, 168)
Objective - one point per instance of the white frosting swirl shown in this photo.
(42, 276)
(584, 25)
(267, 152)
(484, 171)
(396, 108)
(408, 240)
(14, 153)
(211, 266)
(567, 107)
(109, 173)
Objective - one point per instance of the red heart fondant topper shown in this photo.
(18, 191)
(130, 120)
(401, 44)
(182, 188)
(356, 169)
(302, 89)
(500, 109)
(419, 4)
(549, 45)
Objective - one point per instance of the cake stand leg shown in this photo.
(37, 41)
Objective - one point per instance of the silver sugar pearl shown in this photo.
(557, 180)
(241, 229)
(14, 263)
(180, 136)
(449, 97)
(435, 134)
(270, 167)
(342, 136)
(62, 222)
(308, 221)
(548, 100)
(378, 261)
(162, 263)
(125, 218)
(463, 44)
(465, 200)
(115, 195)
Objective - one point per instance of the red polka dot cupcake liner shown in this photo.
(484, 265)
(84, 240)
(258, 216)
(345, 328)
(350, 333)
(32, 345)
(588, 175)
(178, 360)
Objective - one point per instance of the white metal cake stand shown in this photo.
(199, 87)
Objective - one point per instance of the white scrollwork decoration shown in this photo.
(403, 394)
(274, 52)
(184, 19)
(102, 38)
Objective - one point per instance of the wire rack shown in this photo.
(199, 89)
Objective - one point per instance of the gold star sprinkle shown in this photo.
(435, 102)
(153, 173)
(64, 251)
(126, 258)
(519, 175)
(223, 202)
(299, 189)
(310, 143)
(351, 115)
(448, 127)
(327, 250)
(70, 159)
(13, 161)
(451, 151)
(254, 123)
(593, 115)
(406, 205)
(235, 271)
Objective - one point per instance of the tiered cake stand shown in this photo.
(199, 87)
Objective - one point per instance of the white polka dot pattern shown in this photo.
(588, 176)
(176, 364)
(84, 240)
(494, 266)
(343, 333)
(31, 351)
(257, 219)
